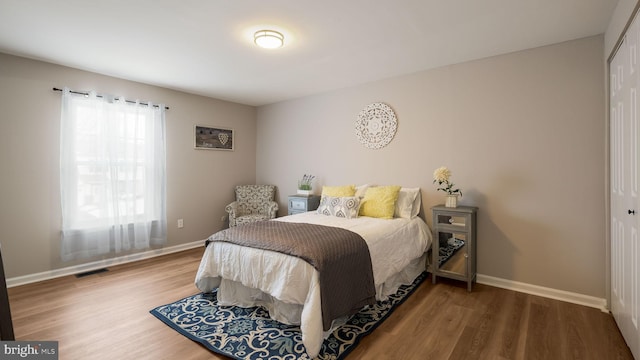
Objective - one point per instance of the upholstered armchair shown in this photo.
(253, 203)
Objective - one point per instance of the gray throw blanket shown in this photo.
(341, 257)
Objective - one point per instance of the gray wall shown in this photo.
(199, 182)
(523, 133)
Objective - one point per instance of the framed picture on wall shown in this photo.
(213, 138)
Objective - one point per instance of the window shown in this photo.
(112, 175)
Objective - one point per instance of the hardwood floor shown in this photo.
(106, 316)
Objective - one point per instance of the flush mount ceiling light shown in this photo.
(268, 39)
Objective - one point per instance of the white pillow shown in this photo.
(361, 190)
(408, 203)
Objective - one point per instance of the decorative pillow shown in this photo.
(408, 203)
(344, 207)
(339, 191)
(380, 202)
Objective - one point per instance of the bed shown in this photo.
(289, 287)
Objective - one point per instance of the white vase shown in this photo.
(304, 192)
(451, 201)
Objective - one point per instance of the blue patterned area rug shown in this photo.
(249, 333)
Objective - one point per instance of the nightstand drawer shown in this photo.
(297, 204)
(303, 203)
(453, 221)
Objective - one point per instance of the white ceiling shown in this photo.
(206, 46)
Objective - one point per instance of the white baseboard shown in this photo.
(575, 298)
(77, 269)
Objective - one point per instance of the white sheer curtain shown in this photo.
(112, 175)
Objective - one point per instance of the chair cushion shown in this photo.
(245, 219)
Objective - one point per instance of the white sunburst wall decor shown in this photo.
(376, 125)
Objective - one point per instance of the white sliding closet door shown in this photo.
(624, 78)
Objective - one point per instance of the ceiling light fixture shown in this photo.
(268, 39)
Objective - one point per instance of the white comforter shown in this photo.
(288, 286)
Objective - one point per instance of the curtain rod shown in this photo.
(87, 94)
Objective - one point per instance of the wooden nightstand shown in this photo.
(303, 203)
(454, 228)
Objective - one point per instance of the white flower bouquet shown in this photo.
(441, 177)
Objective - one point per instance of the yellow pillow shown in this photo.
(339, 191)
(380, 202)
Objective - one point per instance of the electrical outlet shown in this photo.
(180, 223)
